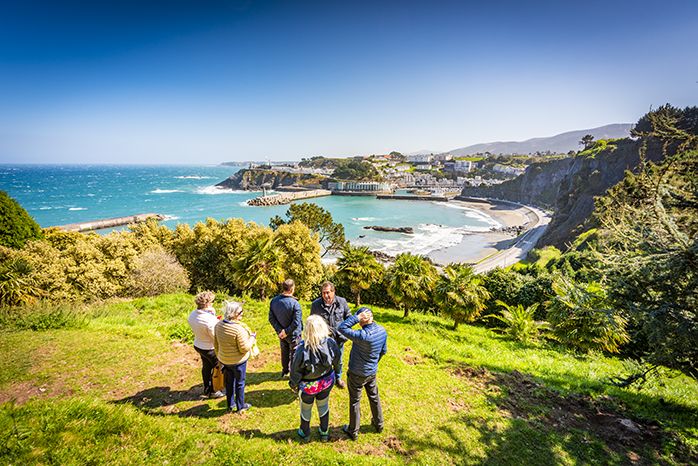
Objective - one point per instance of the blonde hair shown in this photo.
(204, 298)
(231, 310)
(315, 331)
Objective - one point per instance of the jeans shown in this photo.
(355, 384)
(288, 347)
(234, 377)
(208, 362)
(341, 357)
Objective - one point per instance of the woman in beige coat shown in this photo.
(233, 344)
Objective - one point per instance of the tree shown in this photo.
(259, 268)
(520, 322)
(16, 225)
(461, 293)
(648, 243)
(301, 253)
(359, 269)
(319, 220)
(410, 279)
(587, 141)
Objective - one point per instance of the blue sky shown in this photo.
(205, 82)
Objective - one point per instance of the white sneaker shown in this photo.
(217, 394)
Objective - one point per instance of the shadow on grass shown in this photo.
(543, 426)
(336, 434)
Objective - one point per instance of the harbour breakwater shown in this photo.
(287, 198)
(109, 222)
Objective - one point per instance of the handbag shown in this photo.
(254, 352)
(218, 382)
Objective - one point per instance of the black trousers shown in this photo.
(355, 384)
(208, 362)
(288, 347)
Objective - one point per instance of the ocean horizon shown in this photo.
(59, 194)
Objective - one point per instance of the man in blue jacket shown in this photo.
(333, 309)
(369, 344)
(286, 317)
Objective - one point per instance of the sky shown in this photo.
(189, 82)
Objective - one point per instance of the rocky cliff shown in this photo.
(254, 179)
(568, 186)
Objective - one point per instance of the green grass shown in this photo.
(120, 388)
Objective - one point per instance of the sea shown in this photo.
(62, 194)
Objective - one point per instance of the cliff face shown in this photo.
(253, 179)
(568, 186)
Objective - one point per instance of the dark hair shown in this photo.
(327, 284)
(288, 285)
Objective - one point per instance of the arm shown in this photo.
(345, 328)
(336, 356)
(244, 339)
(345, 311)
(314, 308)
(273, 321)
(215, 343)
(297, 319)
(296, 374)
(384, 349)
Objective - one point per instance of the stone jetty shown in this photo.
(109, 222)
(392, 229)
(287, 198)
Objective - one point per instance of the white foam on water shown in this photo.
(78, 208)
(165, 191)
(193, 177)
(427, 237)
(243, 204)
(473, 213)
(45, 208)
(363, 219)
(170, 217)
(218, 190)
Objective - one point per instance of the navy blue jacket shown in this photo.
(285, 314)
(333, 314)
(311, 365)
(370, 343)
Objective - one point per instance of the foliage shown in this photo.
(519, 321)
(582, 318)
(259, 267)
(301, 257)
(156, 272)
(43, 315)
(648, 245)
(359, 269)
(355, 169)
(319, 221)
(409, 280)
(16, 225)
(17, 286)
(503, 285)
(587, 141)
(461, 293)
(596, 147)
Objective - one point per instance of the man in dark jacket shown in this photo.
(334, 309)
(286, 317)
(369, 344)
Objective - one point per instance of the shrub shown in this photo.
(461, 293)
(17, 286)
(16, 225)
(410, 280)
(44, 316)
(520, 322)
(156, 272)
(581, 318)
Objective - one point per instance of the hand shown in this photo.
(365, 318)
(282, 334)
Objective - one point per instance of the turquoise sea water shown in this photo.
(62, 194)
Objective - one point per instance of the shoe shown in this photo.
(351, 435)
(217, 394)
(324, 436)
(302, 436)
(283, 374)
(378, 429)
(244, 408)
(341, 383)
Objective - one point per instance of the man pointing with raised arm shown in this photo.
(369, 344)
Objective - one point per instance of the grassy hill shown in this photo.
(114, 384)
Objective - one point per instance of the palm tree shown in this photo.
(409, 280)
(520, 321)
(359, 268)
(461, 293)
(259, 267)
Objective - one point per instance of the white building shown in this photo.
(424, 158)
(364, 186)
(463, 166)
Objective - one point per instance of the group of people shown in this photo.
(311, 354)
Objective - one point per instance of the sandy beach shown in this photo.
(476, 246)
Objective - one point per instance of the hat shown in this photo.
(362, 309)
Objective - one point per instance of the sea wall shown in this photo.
(287, 198)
